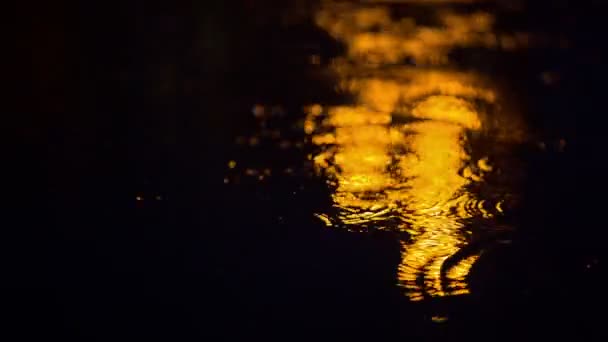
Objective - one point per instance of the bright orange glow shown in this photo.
(394, 40)
(397, 158)
(423, 187)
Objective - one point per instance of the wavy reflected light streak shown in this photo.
(397, 158)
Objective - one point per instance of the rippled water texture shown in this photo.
(417, 147)
(406, 154)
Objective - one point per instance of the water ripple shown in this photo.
(401, 157)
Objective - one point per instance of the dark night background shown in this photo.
(108, 101)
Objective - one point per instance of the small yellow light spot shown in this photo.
(484, 165)
(232, 164)
(315, 109)
(309, 126)
(439, 319)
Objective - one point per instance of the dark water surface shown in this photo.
(422, 170)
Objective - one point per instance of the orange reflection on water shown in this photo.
(398, 157)
(372, 35)
(435, 190)
(391, 91)
(356, 160)
(410, 172)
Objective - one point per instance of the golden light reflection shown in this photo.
(398, 157)
(412, 172)
(372, 35)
